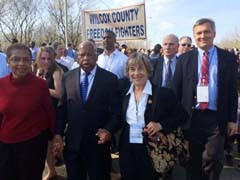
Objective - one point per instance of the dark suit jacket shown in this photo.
(101, 109)
(185, 82)
(162, 107)
(157, 64)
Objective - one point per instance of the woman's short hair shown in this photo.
(138, 58)
(17, 46)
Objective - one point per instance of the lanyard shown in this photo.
(136, 105)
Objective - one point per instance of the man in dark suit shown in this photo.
(89, 105)
(164, 66)
(205, 83)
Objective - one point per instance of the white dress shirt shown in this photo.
(136, 110)
(114, 63)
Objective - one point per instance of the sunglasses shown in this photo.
(188, 45)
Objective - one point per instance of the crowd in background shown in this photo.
(78, 82)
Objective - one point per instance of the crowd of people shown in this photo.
(80, 104)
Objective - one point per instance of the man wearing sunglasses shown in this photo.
(185, 45)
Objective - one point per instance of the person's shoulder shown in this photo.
(158, 59)
(101, 55)
(4, 79)
(3, 57)
(121, 55)
(71, 72)
(163, 92)
(106, 74)
(188, 54)
(226, 53)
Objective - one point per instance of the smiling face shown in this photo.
(204, 35)
(20, 63)
(138, 74)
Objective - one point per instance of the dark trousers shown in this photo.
(206, 147)
(24, 160)
(91, 160)
(134, 160)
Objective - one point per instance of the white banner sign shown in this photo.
(127, 23)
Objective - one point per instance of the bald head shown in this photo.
(87, 55)
(170, 45)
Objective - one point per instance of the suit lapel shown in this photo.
(158, 73)
(195, 67)
(148, 115)
(192, 67)
(125, 105)
(77, 84)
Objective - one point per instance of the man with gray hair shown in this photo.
(205, 83)
(164, 67)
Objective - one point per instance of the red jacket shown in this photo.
(25, 108)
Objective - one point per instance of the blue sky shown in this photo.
(178, 16)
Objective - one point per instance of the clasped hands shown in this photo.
(103, 137)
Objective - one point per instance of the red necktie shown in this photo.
(204, 77)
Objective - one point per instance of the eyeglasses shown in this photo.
(17, 60)
(185, 44)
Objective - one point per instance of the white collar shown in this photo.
(93, 71)
(210, 50)
(147, 88)
(113, 53)
(166, 59)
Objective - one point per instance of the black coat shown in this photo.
(101, 109)
(185, 82)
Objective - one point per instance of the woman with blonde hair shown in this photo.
(52, 73)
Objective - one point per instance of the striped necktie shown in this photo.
(204, 77)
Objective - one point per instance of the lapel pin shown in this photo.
(149, 101)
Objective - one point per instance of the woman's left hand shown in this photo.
(152, 128)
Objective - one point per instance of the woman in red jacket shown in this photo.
(26, 119)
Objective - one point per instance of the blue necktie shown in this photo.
(84, 88)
